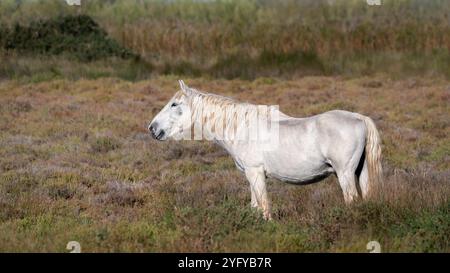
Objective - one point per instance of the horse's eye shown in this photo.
(174, 104)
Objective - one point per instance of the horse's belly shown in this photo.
(303, 178)
(301, 172)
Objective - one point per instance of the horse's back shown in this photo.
(340, 123)
(325, 126)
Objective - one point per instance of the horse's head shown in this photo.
(174, 119)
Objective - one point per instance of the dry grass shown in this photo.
(76, 163)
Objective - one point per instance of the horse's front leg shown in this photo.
(254, 202)
(257, 180)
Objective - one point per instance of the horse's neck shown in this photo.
(208, 129)
(215, 122)
(224, 121)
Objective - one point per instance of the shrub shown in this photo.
(78, 36)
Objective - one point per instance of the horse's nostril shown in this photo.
(153, 129)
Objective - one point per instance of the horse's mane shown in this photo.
(212, 109)
(212, 99)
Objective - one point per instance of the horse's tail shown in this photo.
(373, 154)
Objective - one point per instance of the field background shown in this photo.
(78, 86)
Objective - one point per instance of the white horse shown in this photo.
(305, 150)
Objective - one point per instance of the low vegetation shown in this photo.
(77, 163)
(77, 36)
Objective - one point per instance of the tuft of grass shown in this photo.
(104, 144)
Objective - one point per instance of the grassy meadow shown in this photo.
(78, 164)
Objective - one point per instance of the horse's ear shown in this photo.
(184, 88)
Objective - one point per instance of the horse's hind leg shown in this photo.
(363, 180)
(347, 181)
(346, 174)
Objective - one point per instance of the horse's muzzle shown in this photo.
(155, 133)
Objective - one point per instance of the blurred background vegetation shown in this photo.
(133, 39)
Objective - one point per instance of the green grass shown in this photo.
(35, 69)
